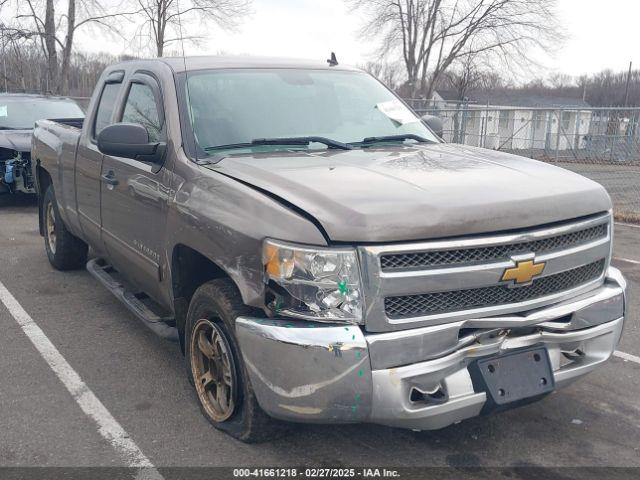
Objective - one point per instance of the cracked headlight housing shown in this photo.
(313, 283)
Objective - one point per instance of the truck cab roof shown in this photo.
(206, 62)
(34, 96)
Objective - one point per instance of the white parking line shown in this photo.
(108, 426)
(631, 225)
(627, 356)
(627, 260)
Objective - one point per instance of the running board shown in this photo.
(101, 270)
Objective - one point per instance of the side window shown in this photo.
(106, 106)
(141, 108)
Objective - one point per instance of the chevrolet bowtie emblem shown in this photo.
(523, 272)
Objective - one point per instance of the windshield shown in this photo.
(21, 113)
(237, 107)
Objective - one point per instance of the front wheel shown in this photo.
(216, 368)
(64, 250)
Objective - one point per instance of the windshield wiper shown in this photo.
(12, 128)
(393, 138)
(283, 141)
(302, 141)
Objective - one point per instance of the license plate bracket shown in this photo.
(514, 376)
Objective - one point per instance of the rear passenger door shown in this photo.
(135, 194)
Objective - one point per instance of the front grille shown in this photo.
(466, 256)
(407, 306)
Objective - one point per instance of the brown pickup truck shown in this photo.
(319, 253)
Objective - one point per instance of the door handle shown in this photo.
(109, 178)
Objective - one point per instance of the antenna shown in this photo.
(333, 61)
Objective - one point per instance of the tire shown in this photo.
(212, 314)
(64, 250)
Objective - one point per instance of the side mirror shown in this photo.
(130, 140)
(434, 123)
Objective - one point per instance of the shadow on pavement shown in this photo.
(18, 200)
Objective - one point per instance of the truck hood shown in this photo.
(18, 140)
(423, 192)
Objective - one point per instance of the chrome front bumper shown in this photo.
(419, 379)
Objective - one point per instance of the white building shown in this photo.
(512, 120)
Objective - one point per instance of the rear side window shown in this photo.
(106, 106)
(141, 108)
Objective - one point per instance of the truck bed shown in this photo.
(54, 146)
(70, 122)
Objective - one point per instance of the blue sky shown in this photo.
(601, 34)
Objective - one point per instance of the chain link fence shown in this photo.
(600, 143)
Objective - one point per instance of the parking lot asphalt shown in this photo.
(141, 380)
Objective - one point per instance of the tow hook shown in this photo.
(436, 396)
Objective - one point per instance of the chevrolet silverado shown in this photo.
(319, 253)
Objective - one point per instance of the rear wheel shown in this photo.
(64, 250)
(216, 368)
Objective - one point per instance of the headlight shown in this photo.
(314, 283)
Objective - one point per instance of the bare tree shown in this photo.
(164, 19)
(391, 75)
(25, 66)
(433, 34)
(462, 78)
(374, 68)
(466, 77)
(561, 81)
(387, 73)
(56, 31)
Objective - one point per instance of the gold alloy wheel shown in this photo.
(50, 226)
(213, 370)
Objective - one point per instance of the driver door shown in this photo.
(135, 194)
